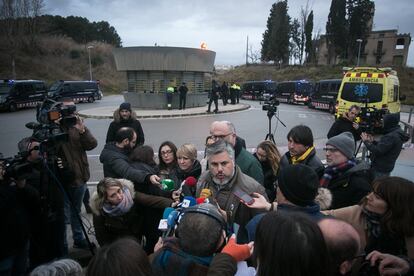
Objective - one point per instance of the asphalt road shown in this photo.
(251, 124)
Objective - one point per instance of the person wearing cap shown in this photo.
(125, 117)
(348, 181)
(183, 95)
(297, 191)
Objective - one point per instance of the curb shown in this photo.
(158, 116)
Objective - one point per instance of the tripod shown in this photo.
(269, 135)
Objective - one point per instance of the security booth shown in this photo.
(151, 70)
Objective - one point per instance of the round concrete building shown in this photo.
(150, 70)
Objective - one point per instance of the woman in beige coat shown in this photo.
(385, 218)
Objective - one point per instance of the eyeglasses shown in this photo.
(331, 149)
(167, 152)
(34, 148)
(215, 137)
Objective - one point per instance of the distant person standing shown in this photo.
(183, 95)
(125, 117)
(215, 89)
(224, 92)
(237, 93)
(233, 91)
(170, 92)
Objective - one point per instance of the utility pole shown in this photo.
(359, 49)
(247, 51)
(90, 64)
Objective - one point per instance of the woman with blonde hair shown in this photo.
(269, 158)
(188, 166)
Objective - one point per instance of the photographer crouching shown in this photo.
(384, 153)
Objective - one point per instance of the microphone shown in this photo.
(163, 225)
(205, 193)
(190, 181)
(171, 222)
(188, 201)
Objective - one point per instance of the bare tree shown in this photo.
(253, 55)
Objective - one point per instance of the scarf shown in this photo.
(296, 160)
(373, 223)
(122, 208)
(332, 172)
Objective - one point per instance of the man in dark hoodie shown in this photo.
(384, 153)
(125, 117)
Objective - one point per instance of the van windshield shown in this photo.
(55, 86)
(4, 88)
(362, 92)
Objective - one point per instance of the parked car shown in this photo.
(258, 90)
(16, 94)
(294, 92)
(324, 95)
(79, 91)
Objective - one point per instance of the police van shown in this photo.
(79, 91)
(375, 88)
(16, 94)
(294, 92)
(258, 90)
(324, 95)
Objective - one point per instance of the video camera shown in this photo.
(16, 167)
(270, 105)
(51, 117)
(371, 118)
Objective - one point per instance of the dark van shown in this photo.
(16, 94)
(258, 90)
(294, 92)
(324, 95)
(79, 91)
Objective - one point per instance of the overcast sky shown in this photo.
(224, 25)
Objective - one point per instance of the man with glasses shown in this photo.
(347, 123)
(225, 130)
(348, 181)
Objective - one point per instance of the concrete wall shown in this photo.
(159, 100)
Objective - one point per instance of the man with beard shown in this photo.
(222, 179)
(125, 117)
(114, 158)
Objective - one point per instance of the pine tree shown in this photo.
(336, 31)
(309, 48)
(275, 43)
(360, 15)
(296, 41)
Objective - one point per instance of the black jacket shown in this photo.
(385, 152)
(118, 123)
(182, 175)
(312, 161)
(116, 164)
(269, 179)
(352, 186)
(343, 125)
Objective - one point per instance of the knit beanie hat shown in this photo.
(299, 184)
(125, 106)
(344, 142)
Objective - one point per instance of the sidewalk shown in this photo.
(107, 112)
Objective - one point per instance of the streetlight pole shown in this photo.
(359, 49)
(90, 64)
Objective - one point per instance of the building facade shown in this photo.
(382, 48)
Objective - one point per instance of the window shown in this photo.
(324, 87)
(400, 44)
(362, 92)
(396, 93)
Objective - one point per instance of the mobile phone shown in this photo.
(243, 196)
